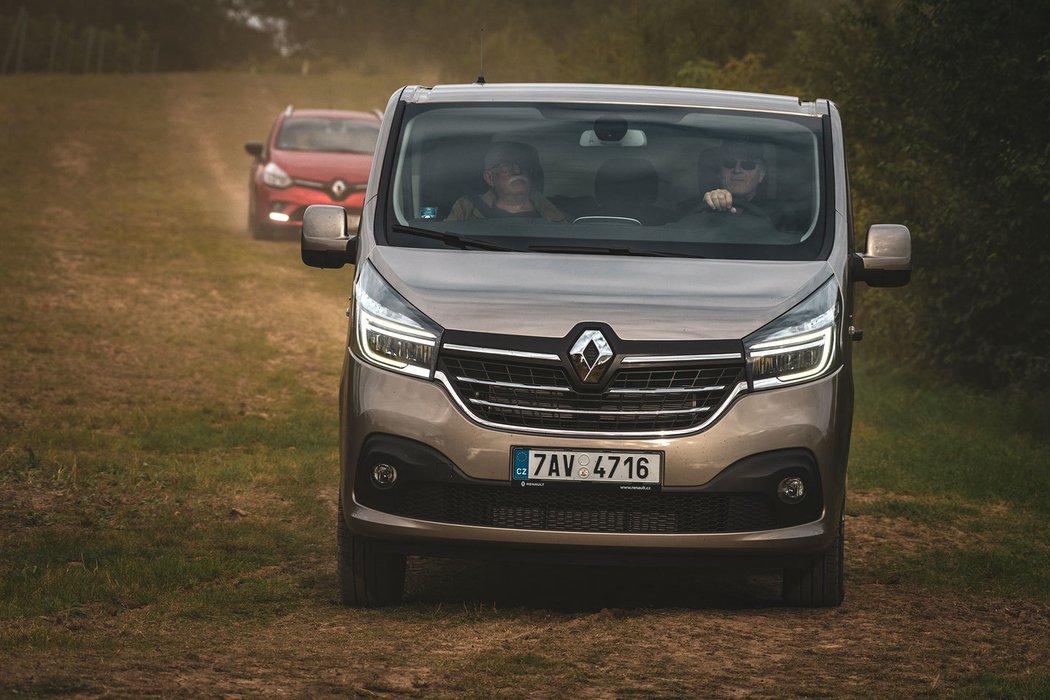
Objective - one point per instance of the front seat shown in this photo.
(629, 187)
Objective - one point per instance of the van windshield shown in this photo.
(620, 179)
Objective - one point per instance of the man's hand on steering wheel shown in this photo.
(720, 200)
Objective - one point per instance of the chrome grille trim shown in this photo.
(535, 392)
(512, 385)
(502, 353)
(683, 390)
(737, 390)
(648, 359)
(587, 412)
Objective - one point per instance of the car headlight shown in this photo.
(800, 345)
(274, 176)
(390, 332)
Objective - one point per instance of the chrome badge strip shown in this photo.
(501, 353)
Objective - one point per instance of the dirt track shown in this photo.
(479, 630)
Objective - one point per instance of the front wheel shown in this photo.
(368, 577)
(820, 583)
(258, 230)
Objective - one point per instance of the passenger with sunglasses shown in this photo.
(510, 171)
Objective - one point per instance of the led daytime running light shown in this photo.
(788, 347)
(393, 345)
(386, 334)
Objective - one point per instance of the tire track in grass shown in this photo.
(188, 112)
(282, 300)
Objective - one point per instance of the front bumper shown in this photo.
(290, 204)
(757, 439)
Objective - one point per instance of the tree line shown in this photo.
(943, 102)
(126, 36)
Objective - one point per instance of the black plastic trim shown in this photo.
(755, 474)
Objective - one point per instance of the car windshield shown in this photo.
(332, 135)
(617, 179)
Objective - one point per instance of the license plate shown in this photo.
(532, 464)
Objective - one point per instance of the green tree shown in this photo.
(945, 106)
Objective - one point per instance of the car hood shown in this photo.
(641, 298)
(315, 165)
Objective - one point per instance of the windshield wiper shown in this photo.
(608, 250)
(453, 240)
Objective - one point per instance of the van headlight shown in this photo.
(390, 332)
(800, 345)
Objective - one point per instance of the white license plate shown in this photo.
(531, 464)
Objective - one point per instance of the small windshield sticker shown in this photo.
(428, 213)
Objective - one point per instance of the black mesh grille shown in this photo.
(586, 511)
(637, 399)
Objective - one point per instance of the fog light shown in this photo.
(791, 490)
(383, 476)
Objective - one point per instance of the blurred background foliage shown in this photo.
(945, 107)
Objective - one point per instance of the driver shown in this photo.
(510, 172)
(742, 169)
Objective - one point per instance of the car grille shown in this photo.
(586, 511)
(639, 400)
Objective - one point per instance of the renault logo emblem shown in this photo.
(590, 356)
(339, 189)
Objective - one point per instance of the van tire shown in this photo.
(820, 584)
(368, 577)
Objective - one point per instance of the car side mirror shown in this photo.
(886, 261)
(325, 241)
(254, 149)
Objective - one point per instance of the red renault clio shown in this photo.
(312, 156)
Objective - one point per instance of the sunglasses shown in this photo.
(510, 167)
(730, 163)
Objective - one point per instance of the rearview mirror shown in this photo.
(254, 148)
(886, 261)
(325, 241)
(631, 138)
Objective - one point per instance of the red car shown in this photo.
(312, 156)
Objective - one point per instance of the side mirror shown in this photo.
(886, 261)
(325, 241)
(254, 149)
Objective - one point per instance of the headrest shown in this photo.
(631, 179)
(511, 151)
(742, 150)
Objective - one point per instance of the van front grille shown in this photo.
(585, 511)
(537, 395)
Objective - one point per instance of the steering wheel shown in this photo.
(742, 208)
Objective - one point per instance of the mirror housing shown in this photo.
(254, 149)
(886, 261)
(325, 241)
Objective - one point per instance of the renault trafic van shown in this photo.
(600, 323)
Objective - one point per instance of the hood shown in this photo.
(323, 166)
(641, 298)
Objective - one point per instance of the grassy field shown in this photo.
(168, 468)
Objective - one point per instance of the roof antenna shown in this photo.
(481, 73)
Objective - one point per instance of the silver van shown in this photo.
(600, 323)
